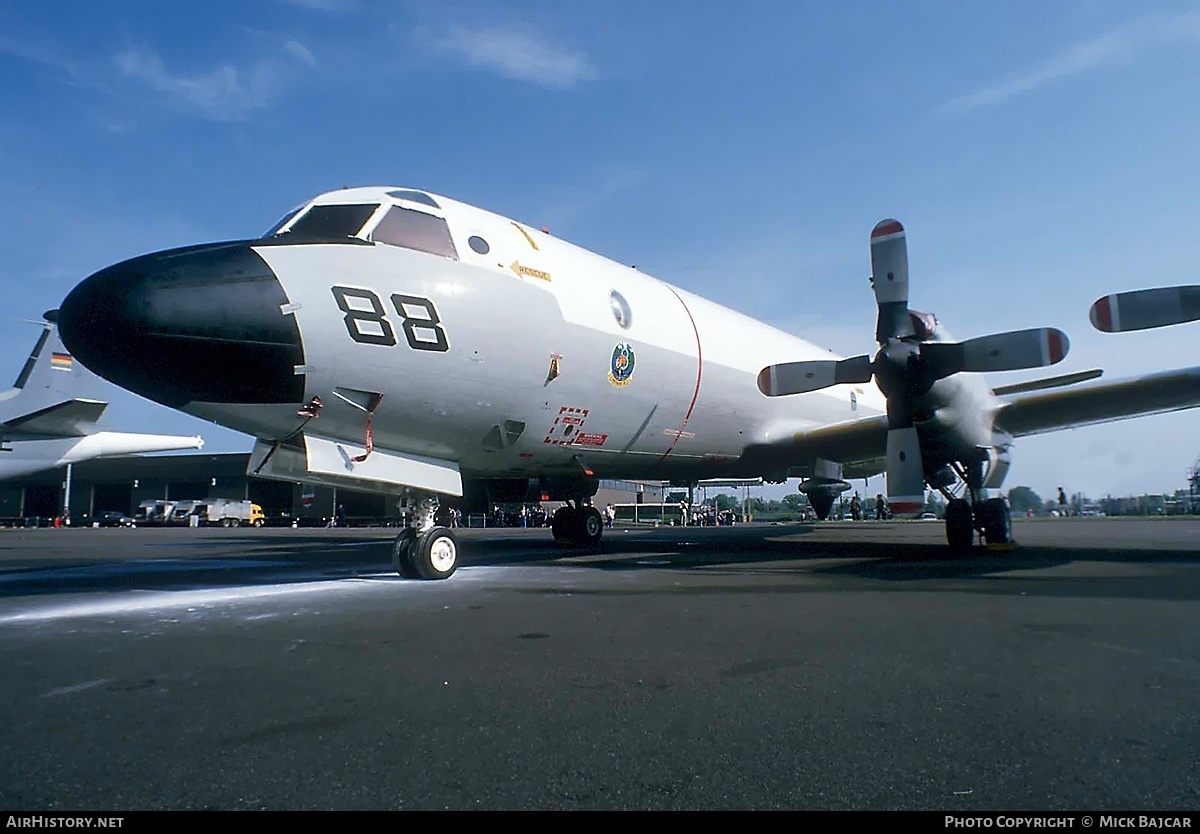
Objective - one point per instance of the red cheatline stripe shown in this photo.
(887, 227)
(1102, 314)
(699, 374)
(904, 506)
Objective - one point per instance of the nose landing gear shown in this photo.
(424, 550)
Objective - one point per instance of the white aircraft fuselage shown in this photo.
(401, 342)
(683, 402)
(504, 351)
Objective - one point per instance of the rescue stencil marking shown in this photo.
(528, 271)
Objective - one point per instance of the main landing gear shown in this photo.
(577, 524)
(990, 517)
(424, 550)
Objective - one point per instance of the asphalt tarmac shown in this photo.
(828, 666)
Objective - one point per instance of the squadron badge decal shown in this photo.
(621, 367)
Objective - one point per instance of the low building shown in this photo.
(121, 484)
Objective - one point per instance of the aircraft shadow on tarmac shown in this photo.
(782, 552)
(264, 559)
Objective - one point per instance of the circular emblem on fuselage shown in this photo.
(621, 367)
(853, 402)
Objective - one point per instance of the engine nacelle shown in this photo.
(821, 493)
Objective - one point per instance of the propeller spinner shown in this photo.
(909, 362)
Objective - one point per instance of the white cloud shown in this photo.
(518, 53)
(1122, 43)
(227, 93)
(301, 52)
(224, 93)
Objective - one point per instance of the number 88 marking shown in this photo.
(428, 323)
(422, 329)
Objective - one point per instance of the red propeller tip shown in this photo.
(1055, 346)
(764, 381)
(886, 227)
(1101, 314)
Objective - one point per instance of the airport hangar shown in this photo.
(121, 484)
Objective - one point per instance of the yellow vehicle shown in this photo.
(230, 513)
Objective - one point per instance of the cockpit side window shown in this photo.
(333, 221)
(415, 230)
(283, 221)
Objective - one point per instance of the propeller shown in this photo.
(1144, 309)
(909, 361)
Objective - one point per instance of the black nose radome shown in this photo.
(200, 324)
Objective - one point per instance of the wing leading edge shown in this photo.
(1103, 402)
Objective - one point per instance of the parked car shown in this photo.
(112, 518)
(928, 517)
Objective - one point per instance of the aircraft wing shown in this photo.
(853, 441)
(861, 445)
(1103, 402)
(73, 418)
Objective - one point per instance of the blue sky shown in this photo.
(1040, 155)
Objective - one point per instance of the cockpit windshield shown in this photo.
(332, 221)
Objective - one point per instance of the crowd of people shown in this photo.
(523, 516)
(706, 516)
(536, 516)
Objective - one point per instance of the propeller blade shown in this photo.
(905, 473)
(1011, 351)
(802, 377)
(1144, 309)
(889, 277)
